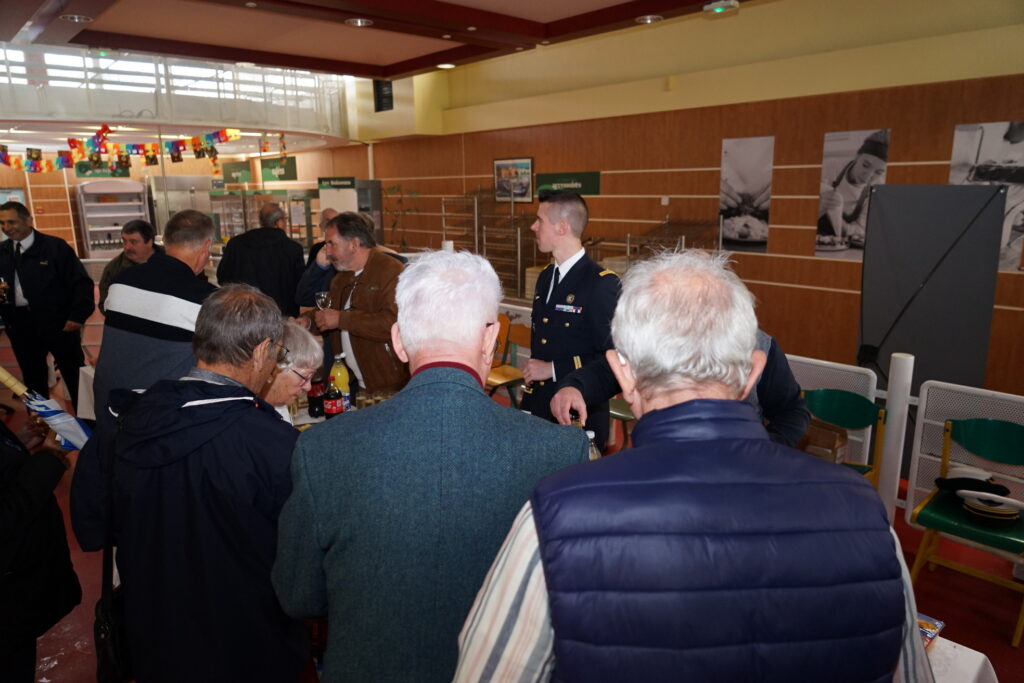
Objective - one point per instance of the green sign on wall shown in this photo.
(237, 172)
(586, 182)
(339, 183)
(83, 169)
(280, 168)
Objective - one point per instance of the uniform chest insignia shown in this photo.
(565, 308)
(569, 299)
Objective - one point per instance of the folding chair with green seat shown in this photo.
(506, 375)
(848, 410)
(993, 445)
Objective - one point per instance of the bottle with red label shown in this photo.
(315, 396)
(334, 400)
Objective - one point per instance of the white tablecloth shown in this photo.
(86, 409)
(955, 663)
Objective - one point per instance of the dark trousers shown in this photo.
(537, 401)
(32, 339)
(17, 659)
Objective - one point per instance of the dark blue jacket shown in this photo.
(202, 471)
(710, 553)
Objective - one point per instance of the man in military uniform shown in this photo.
(572, 308)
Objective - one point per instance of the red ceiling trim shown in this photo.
(122, 41)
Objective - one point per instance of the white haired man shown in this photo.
(707, 552)
(397, 510)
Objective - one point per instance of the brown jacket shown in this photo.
(368, 320)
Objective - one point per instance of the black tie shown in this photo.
(554, 285)
(17, 255)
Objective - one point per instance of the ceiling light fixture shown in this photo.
(721, 6)
(445, 66)
(251, 5)
(650, 19)
(76, 18)
(471, 28)
(359, 22)
(447, 36)
(545, 42)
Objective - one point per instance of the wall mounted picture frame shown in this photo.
(513, 180)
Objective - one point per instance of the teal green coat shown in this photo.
(396, 514)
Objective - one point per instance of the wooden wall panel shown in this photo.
(800, 211)
(440, 156)
(917, 175)
(796, 181)
(661, 183)
(810, 322)
(791, 241)
(350, 161)
(1010, 289)
(810, 272)
(1005, 371)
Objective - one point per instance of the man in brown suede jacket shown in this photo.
(363, 305)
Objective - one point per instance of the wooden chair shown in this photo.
(851, 411)
(506, 375)
(993, 445)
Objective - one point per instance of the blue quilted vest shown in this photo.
(710, 553)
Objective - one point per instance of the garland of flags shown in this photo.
(93, 149)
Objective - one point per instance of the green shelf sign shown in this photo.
(281, 168)
(339, 183)
(585, 182)
(237, 172)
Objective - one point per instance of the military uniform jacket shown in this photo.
(53, 280)
(571, 330)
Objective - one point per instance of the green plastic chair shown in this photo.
(848, 410)
(942, 513)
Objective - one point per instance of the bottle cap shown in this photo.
(590, 434)
(331, 378)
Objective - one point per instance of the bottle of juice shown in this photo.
(340, 379)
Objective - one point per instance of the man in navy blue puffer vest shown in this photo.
(707, 552)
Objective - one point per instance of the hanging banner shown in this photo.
(83, 169)
(278, 169)
(237, 172)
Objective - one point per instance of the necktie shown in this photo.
(17, 256)
(554, 284)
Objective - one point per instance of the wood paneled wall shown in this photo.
(812, 305)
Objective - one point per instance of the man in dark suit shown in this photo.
(395, 510)
(47, 298)
(572, 309)
(266, 258)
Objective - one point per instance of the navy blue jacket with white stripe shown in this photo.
(151, 314)
(710, 553)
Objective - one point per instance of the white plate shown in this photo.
(980, 498)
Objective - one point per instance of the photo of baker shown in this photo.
(993, 154)
(853, 161)
(745, 193)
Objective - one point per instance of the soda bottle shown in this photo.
(339, 375)
(334, 401)
(595, 453)
(315, 395)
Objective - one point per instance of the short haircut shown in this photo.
(270, 214)
(22, 210)
(326, 215)
(684, 319)
(139, 227)
(565, 205)
(446, 299)
(232, 322)
(301, 349)
(352, 226)
(188, 228)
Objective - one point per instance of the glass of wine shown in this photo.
(323, 300)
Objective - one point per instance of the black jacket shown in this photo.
(267, 259)
(38, 585)
(53, 280)
(202, 471)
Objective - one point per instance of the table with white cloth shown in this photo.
(954, 663)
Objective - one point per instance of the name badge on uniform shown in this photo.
(565, 308)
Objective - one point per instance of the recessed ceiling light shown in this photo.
(245, 65)
(545, 42)
(359, 22)
(251, 5)
(650, 19)
(445, 66)
(447, 36)
(471, 28)
(76, 18)
(518, 48)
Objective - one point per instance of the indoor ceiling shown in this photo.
(406, 37)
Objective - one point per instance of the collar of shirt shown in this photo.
(212, 377)
(449, 364)
(27, 242)
(565, 266)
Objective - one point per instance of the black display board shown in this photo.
(929, 279)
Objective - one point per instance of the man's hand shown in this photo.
(72, 326)
(537, 370)
(327, 320)
(566, 399)
(322, 259)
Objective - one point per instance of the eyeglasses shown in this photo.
(306, 379)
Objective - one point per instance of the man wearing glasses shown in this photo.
(363, 305)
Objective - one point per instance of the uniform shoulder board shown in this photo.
(606, 272)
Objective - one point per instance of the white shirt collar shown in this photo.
(565, 266)
(27, 242)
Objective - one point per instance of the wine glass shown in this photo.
(323, 300)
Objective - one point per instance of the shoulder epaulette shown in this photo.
(606, 272)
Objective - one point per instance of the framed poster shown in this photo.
(513, 180)
(746, 192)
